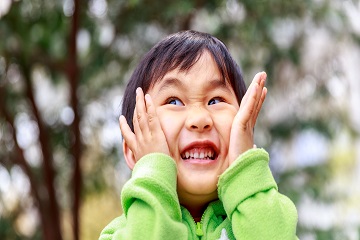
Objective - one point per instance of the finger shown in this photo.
(128, 135)
(246, 110)
(153, 121)
(259, 77)
(141, 113)
(137, 130)
(256, 80)
(262, 99)
(259, 94)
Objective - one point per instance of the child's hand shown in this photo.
(242, 130)
(148, 137)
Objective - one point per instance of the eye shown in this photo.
(215, 100)
(174, 101)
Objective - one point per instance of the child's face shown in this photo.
(196, 110)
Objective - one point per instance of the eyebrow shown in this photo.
(218, 83)
(213, 84)
(169, 83)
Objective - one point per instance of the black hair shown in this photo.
(180, 50)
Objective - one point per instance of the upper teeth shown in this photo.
(198, 154)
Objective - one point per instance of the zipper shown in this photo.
(199, 226)
(199, 232)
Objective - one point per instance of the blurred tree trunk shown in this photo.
(51, 221)
(76, 148)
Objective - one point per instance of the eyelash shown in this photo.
(170, 99)
(173, 99)
(217, 98)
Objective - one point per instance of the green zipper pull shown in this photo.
(199, 231)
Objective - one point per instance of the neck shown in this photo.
(196, 205)
(196, 212)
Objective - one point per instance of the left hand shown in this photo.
(242, 130)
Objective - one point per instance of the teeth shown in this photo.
(198, 154)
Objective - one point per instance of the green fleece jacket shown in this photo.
(249, 205)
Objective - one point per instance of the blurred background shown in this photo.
(63, 68)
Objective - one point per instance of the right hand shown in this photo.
(149, 136)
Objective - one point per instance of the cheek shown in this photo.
(223, 123)
(171, 125)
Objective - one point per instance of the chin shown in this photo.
(204, 188)
(198, 178)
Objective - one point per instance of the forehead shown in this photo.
(204, 67)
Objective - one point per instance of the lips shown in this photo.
(200, 150)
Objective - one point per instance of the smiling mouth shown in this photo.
(199, 153)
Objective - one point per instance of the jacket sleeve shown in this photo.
(252, 202)
(150, 203)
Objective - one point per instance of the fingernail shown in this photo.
(264, 75)
(137, 90)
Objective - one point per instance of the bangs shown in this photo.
(182, 53)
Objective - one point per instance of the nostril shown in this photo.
(197, 127)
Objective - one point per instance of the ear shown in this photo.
(129, 156)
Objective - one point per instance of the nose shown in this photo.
(198, 119)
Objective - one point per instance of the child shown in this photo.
(189, 142)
